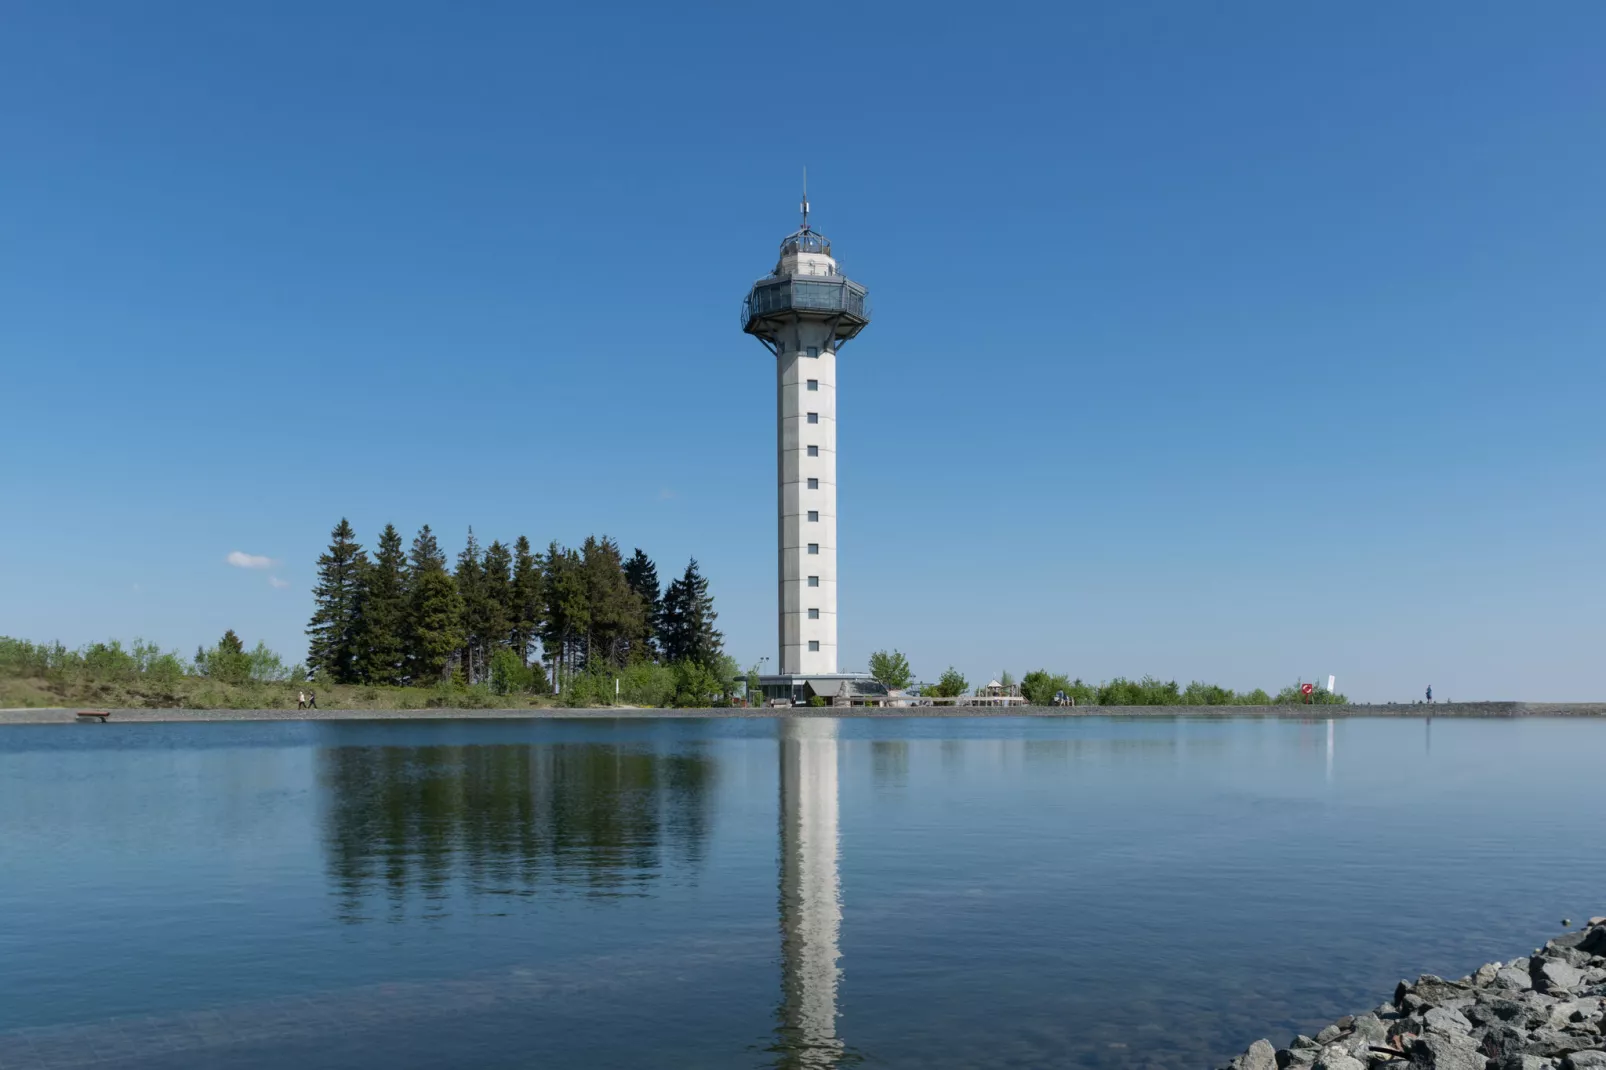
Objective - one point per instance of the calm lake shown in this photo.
(1033, 892)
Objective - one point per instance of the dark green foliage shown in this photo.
(473, 629)
(566, 615)
(434, 612)
(642, 576)
(509, 675)
(617, 617)
(524, 615)
(1040, 687)
(688, 620)
(951, 685)
(891, 669)
(1145, 692)
(484, 596)
(97, 661)
(228, 662)
(696, 687)
(383, 638)
(332, 650)
(1292, 696)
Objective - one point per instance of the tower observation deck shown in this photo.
(804, 311)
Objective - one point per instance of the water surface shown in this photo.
(748, 893)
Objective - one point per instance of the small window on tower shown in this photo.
(814, 384)
(814, 417)
(814, 351)
(814, 484)
(814, 451)
(814, 581)
(814, 516)
(814, 547)
(814, 645)
(814, 614)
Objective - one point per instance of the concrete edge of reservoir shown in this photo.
(66, 715)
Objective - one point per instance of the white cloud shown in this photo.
(240, 560)
(276, 583)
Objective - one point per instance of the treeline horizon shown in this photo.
(1040, 687)
(406, 619)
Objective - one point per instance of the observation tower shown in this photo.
(804, 311)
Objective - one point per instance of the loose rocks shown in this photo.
(1542, 1012)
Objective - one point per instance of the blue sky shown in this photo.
(1239, 342)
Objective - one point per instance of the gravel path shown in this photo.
(1457, 709)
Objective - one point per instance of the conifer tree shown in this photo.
(615, 612)
(525, 617)
(470, 578)
(566, 615)
(385, 613)
(337, 613)
(642, 575)
(496, 572)
(434, 612)
(688, 632)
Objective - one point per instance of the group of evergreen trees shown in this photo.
(405, 618)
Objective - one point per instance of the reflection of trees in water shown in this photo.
(889, 763)
(594, 818)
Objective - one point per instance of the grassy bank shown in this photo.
(193, 693)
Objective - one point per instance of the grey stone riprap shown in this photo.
(1546, 1011)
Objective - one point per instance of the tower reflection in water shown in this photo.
(811, 897)
(413, 827)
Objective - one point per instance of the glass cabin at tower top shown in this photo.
(805, 285)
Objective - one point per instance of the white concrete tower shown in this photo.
(803, 312)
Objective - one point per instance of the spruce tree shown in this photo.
(614, 611)
(337, 614)
(434, 612)
(689, 633)
(642, 575)
(470, 578)
(385, 613)
(525, 617)
(566, 615)
(497, 574)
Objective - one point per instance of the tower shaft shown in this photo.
(806, 455)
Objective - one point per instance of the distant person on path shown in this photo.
(1430, 692)
(312, 700)
(301, 700)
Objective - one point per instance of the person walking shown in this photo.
(1430, 693)
(301, 700)
(312, 699)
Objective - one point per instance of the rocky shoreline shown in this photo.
(1540, 1012)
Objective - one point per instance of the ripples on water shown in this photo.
(733, 893)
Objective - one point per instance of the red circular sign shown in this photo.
(1307, 688)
